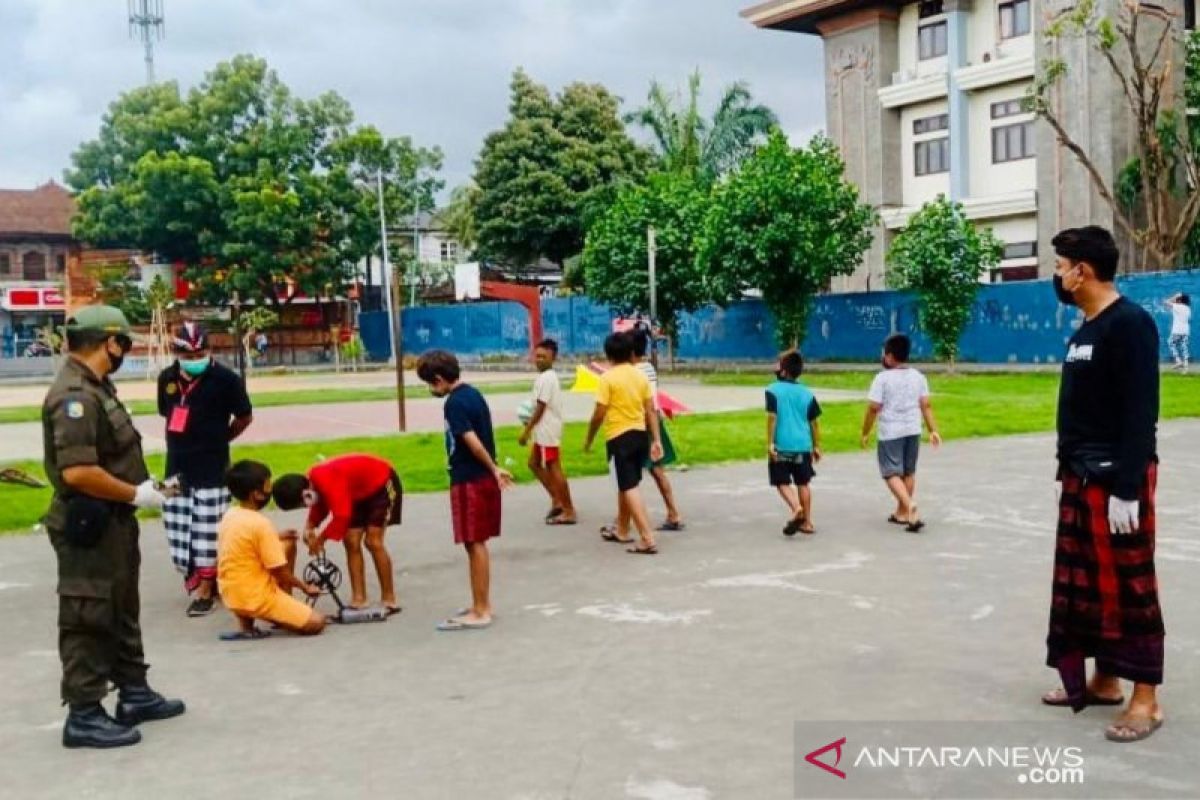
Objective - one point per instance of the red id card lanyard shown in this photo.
(180, 413)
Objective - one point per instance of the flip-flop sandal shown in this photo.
(892, 518)
(554, 512)
(808, 531)
(1057, 698)
(244, 636)
(462, 625)
(791, 528)
(561, 521)
(915, 527)
(642, 551)
(612, 537)
(390, 611)
(671, 526)
(1142, 727)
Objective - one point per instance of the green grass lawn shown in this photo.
(966, 406)
(298, 397)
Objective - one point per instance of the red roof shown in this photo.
(44, 211)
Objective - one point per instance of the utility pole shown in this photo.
(146, 22)
(652, 256)
(392, 299)
(412, 300)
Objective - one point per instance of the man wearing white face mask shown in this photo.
(206, 407)
(1105, 591)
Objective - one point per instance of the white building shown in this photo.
(925, 98)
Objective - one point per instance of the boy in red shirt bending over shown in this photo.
(361, 496)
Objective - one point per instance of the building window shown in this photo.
(1009, 108)
(932, 40)
(5, 264)
(449, 252)
(1014, 19)
(1012, 142)
(929, 8)
(33, 267)
(932, 156)
(940, 122)
(1017, 250)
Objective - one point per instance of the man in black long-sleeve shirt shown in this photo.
(1105, 594)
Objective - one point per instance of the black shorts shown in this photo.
(627, 457)
(789, 468)
(381, 509)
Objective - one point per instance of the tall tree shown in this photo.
(252, 188)
(548, 171)
(1141, 44)
(615, 258)
(458, 216)
(707, 148)
(786, 223)
(941, 256)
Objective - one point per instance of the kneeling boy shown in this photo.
(252, 569)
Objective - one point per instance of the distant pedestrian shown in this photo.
(206, 407)
(475, 479)
(624, 407)
(641, 337)
(1105, 590)
(1181, 329)
(899, 399)
(793, 442)
(545, 428)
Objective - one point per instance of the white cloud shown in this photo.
(436, 70)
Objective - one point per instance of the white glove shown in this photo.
(148, 496)
(1122, 515)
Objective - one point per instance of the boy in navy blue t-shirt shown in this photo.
(793, 441)
(475, 479)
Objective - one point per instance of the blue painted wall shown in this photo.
(1011, 323)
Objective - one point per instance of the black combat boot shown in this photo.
(137, 704)
(89, 725)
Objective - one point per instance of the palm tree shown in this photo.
(688, 142)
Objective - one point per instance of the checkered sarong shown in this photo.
(191, 521)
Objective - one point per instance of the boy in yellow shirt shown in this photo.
(252, 568)
(625, 407)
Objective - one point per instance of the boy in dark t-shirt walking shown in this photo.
(475, 479)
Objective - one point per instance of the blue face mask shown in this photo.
(196, 367)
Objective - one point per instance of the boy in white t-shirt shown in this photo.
(899, 399)
(545, 427)
(1181, 329)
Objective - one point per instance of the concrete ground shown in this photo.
(319, 422)
(677, 677)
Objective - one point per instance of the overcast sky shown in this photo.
(436, 70)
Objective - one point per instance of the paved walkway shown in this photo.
(607, 676)
(341, 420)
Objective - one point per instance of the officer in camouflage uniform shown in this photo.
(94, 461)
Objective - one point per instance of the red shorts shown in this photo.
(475, 509)
(545, 456)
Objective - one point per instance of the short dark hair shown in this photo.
(792, 364)
(639, 338)
(549, 344)
(1091, 244)
(436, 364)
(1183, 298)
(85, 341)
(288, 491)
(898, 346)
(619, 348)
(246, 477)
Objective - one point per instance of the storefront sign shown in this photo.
(32, 298)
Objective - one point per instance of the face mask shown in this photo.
(114, 362)
(195, 367)
(1064, 297)
(310, 498)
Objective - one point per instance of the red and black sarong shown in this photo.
(1105, 597)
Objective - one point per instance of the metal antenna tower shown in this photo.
(146, 23)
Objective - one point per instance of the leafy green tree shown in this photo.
(549, 170)
(116, 286)
(615, 257)
(786, 223)
(941, 255)
(249, 186)
(459, 216)
(706, 148)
